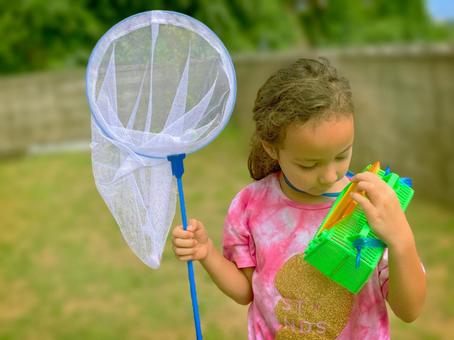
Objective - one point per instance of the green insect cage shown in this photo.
(345, 248)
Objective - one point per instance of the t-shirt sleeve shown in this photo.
(383, 274)
(238, 243)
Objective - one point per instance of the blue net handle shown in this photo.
(177, 171)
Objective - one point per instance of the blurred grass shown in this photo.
(66, 273)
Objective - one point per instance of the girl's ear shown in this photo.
(269, 149)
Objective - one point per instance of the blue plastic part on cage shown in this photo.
(363, 242)
(403, 180)
(406, 181)
(387, 170)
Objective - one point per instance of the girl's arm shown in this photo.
(407, 282)
(232, 281)
(194, 244)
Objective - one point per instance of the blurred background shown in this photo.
(65, 271)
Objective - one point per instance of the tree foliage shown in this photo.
(40, 34)
(357, 22)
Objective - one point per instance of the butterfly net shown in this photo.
(158, 84)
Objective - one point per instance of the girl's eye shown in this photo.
(305, 167)
(341, 158)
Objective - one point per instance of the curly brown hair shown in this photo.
(306, 89)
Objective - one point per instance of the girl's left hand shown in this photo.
(382, 208)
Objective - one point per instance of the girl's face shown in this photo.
(316, 155)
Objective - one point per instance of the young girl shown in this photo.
(300, 154)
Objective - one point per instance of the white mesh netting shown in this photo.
(158, 83)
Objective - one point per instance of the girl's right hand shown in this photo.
(191, 244)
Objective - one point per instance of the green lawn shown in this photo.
(66, 273)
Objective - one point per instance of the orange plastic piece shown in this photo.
(346, 205)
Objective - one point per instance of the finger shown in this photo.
(364, 203)
(185, 258)
(183, 251)
(178, 232)
(370, 189)
(366, 176)
(194, 225)
(184, 243)
(200, 229)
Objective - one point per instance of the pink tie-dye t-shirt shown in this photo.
(264, 229)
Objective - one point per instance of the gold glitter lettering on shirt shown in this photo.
(312, 306)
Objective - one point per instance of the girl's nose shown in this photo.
(328, 176)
